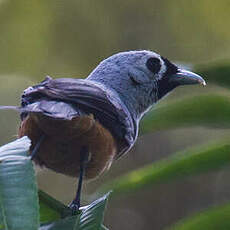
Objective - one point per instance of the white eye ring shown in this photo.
(162, 70)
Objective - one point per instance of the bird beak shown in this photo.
(184, 77)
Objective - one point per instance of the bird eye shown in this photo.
(154, 65)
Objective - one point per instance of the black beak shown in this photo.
(184, 77)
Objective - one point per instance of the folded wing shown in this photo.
(66, 98)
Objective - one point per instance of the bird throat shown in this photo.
(164, 87)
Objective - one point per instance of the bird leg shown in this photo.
(75, 204)
(36, 148)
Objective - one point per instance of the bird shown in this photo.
(79, 127)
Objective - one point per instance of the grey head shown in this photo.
(141, 78)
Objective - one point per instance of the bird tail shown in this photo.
(9, 107)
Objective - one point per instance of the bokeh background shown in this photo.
(69, 38)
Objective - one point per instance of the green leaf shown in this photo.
(180, 165)
(18, 190)
(211, 219)
(211, 110)
(50, 208)
(93, 215)
(67, 223)
(104, 228)
(1, 218)
(90, 218)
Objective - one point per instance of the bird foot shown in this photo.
(74, 207)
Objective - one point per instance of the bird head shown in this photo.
(141, 78)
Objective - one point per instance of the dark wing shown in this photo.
(66, 98)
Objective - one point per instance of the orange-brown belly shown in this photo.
(64, 139)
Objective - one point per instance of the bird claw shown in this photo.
(74, 207)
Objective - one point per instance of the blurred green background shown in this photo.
(69, 38)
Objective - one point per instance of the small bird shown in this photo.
(78, 127)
